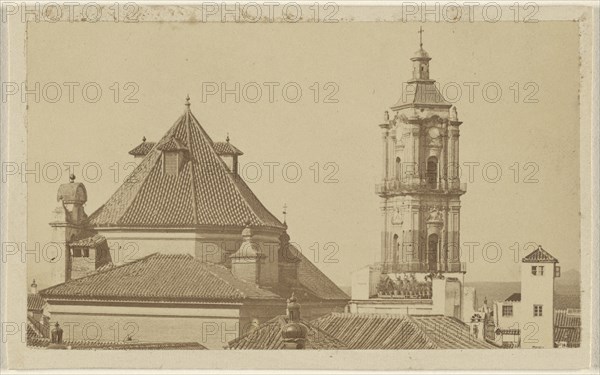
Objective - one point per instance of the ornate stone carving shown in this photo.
(397, 218)
(435, 214)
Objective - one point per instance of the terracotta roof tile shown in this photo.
(540, 255)
(160, 277)
(226, 148)
(142, 149)
(515, 297)
(35, 302)
(380, 331)
(267, 336)
(567, 327)
(315, 281)
(203, 193)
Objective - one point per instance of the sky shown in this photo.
(348, 74)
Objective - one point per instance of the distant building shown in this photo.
(526, 319)
(183, 244)
(418, 270)
(567, 328)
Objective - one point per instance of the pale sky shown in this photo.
(366, 64)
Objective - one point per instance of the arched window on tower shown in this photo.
(432, 251)
(432, 172)
(398, 169)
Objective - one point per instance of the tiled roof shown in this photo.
(379, 331)
(540, 255)
(160, 277)
(173, 144)
(93, 241)
(36, 329)
(35, 302)
(268, 336)
(142, 149)
(515, 297)
(226, 148)
(204, 192)
(315, 281)
(117, 345)
(567, 328)
(417, 93)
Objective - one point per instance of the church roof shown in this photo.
(420, 93)
(540, 255)
(203, 193)
(163, 278)
(184, 278)
(142, 149)
(315, 281)
(267, 336)
(383, 331)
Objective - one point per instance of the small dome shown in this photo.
(294, 331)
(421, 53)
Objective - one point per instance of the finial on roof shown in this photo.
(71, 177)
(144, 139)
(187, 101)
(420, 36)
(227, 139)
(284, 213)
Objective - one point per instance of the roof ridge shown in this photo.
(191, 170)
(423, 331)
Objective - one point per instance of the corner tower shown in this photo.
(420, 187)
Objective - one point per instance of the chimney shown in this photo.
(294, 332)
(68, 224)
(33, 289)
(245, 263)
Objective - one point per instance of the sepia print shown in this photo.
(294, 185)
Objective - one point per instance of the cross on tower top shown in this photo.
(420, 36)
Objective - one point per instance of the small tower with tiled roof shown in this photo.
(228, 153)
(538, 270)
(142, 149)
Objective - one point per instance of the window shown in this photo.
(432, 171)
(541, 270)
(507, 310)
(533, 270)
(537, 310)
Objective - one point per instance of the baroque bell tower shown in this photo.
(420, 187)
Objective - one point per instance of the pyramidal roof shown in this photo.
(203, 193)
(540, 255)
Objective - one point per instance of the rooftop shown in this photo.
(267, 336)
(143, 148)
(382, 331)
(540, 255)
(184, 278)
(203, 193)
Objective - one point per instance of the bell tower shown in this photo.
(420, 187)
